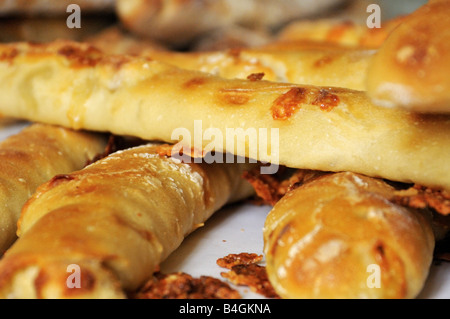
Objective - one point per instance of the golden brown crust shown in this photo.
(333, 237)
(184, 286)
(410, 68)
(122, 94)
(117, 219)
(52, 8)
(423, 197)
(244, 270)
(32, 157)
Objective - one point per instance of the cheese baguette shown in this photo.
(339, 236)
(333, 129)
(179, 22)
(410, 70)
(32, 157)
(117, 220)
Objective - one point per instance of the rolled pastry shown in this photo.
(32, 157)
(339, 236)
(114, 221)
(295, 125)
(410, 70)
(51, 7)
(179, 22)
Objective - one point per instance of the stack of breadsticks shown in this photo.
(363, 128)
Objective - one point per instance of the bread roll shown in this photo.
(179, 22)
(116, 220)
(410, 70)
(333, 129)
(339, 236)
(32, 157)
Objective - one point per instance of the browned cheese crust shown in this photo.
(179, 22)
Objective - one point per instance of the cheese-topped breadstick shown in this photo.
(299, 126)
(179, 22)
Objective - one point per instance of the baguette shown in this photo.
(410, 70)
(177, 23)
(339, 236)
(117, 219)
(334, 129)
(32, 157)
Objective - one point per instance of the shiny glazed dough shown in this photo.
(116, 220)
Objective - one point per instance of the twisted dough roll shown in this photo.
(334, 129)
(116, 219)
(308, 63)
(333, 236)
(32, 157)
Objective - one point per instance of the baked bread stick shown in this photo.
(52, 8)
(339, 236)
(307, 64)
(33, 156)
(116, 219)
(334, 129)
